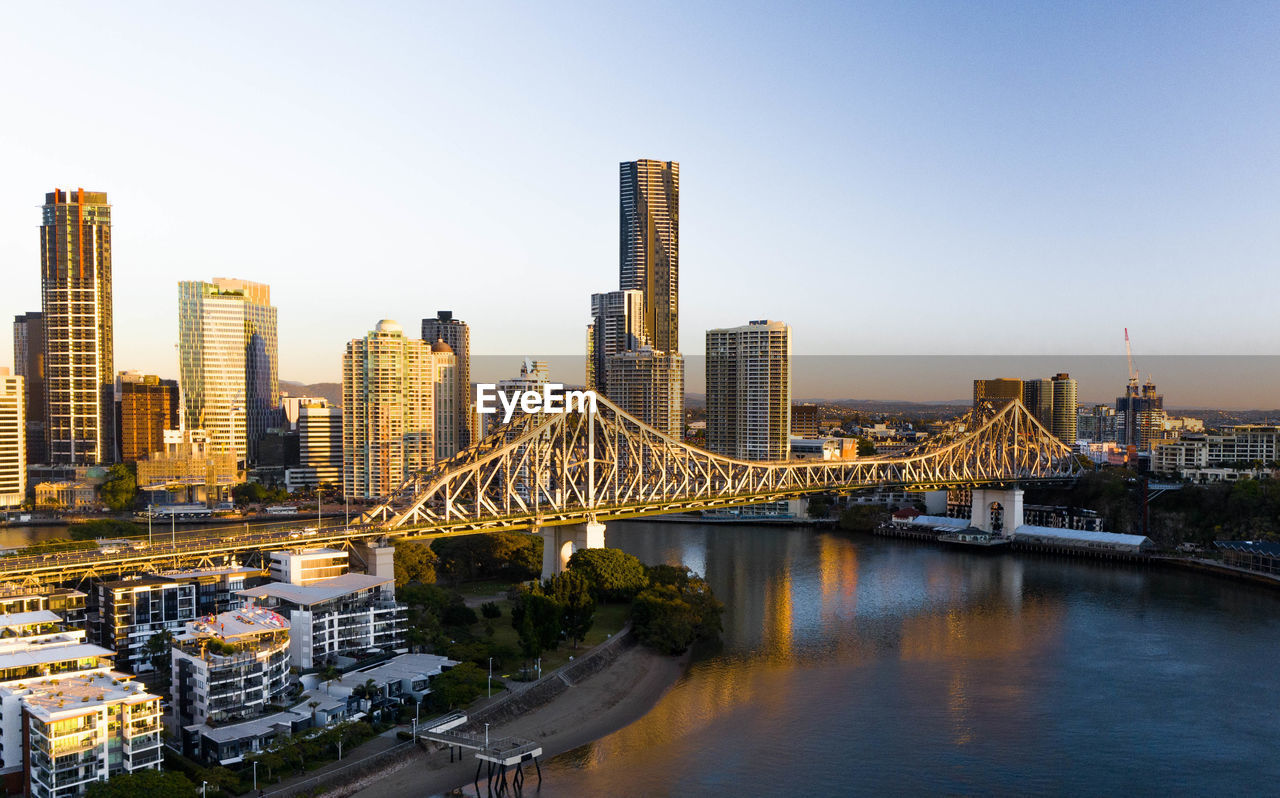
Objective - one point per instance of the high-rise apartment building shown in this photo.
(228, 358)
(1096, 424)
(649, 384)
(456, 333)
(749, 391)
(1037, 397)
(399, 399)
(650, 245)
(13, 435)
(1065, 409)
(319, 446)
(75, 287)
(28, 363)
(1139, 415)
(617, 324)
(804, 420)
(998, 392)
(146, 407)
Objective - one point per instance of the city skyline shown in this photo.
(1097, 174)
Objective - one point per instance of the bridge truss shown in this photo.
(549, 469)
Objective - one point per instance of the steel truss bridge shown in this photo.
(553, 469)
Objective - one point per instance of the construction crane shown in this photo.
(1133, 374)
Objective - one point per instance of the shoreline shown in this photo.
(618, 694)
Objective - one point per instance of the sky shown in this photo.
(890, 178)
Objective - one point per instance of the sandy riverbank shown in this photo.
(601, 704)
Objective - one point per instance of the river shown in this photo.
(859, 665)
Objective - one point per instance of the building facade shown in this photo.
(804, 420)
(998, 392)
(146, 407)
(228, 361)
(617, 325)
(649, 384)
(1140, 415)
(307, 566)
(749, 391)
(319, 446)
(75, 287)
(1037, 397)
(131, 611)
(1065, 408)
(650, 245)
(456, 333)
(13, 440)
(399, 399)
(28, 363)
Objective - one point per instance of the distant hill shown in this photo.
(325, 390)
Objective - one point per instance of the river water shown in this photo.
(859, 665)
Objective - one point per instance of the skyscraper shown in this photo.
(319, 446)
(75, 287)
(28, 363)
(1065, 409)
(13, 433)
(749, 391)
(650, 245)
(998, 392)
(146, 407)
(617, 324)
(456, 333)
(649, 384)
(1037, 396)
(228, 362)
(399, 407)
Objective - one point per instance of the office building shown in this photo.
(1037, 397)
(131, 611)
(400, 409)
(13, 440)
(617, 325)
(649, 384)
(340, 616)
(998, 392)
(319, 430)
(227, 668)
(28, 363)
(228, 362)
(456, 333)
(1065, 409)
(804, 420)
(146, 407)
(1097, 424)
(650, 245)
(749, 391)
(75, 284)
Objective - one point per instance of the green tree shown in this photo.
(158, 650)
(863, 517)
(572, 592)
(663, 620)
(513, 556)
(612, 574)
(536, 619)
(120, 489)
(459, 686)
(414, 562)
(866, 448)
(143, 784)
(104, 528)
(819, 505)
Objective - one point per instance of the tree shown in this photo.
(536, 619)
(120, 489)
(612, 574)
(862, 517)
(104, 528)
(677, 610)
(491, 610)
(866, 448)
(572, 592)
(158, 650)
(459, 686)
(513, 556)
(414, 562)
(143, 784)
(819, 505)
(329, 674)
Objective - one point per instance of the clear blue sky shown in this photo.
(983, 178)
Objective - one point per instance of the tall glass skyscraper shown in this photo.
(650, 246)
(228, 362)
(75, 287)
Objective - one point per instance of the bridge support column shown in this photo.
(997, 510)
(560, 542)
(378, 558)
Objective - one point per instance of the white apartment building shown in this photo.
(400, 407)
(13, 439)
(340, 616)
(749, 391)
(1201, 457)
(307, 566)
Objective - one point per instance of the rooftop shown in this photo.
(238, 623)
(21, 619)
(317, 592)
(79, 693)
(405, 666)
(1266, 547)
(1081, 535)
(46, 653)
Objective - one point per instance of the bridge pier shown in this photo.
(998, 511)
(560, 542)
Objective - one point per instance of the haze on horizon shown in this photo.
(890, 179)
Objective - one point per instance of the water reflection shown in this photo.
(855, 664)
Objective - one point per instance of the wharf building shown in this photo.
(76, 302)
(13, 440)
(146, 408)
(28, 363)
(319, 428)
(456, 333)
(338, 617)
(227, 668)
(400, 409)
(228, 362)
(749, 391)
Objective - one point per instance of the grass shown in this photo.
(484, 587)
(609, 620)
